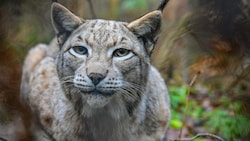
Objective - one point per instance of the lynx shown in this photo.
(95, 81)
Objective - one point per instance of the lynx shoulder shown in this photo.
(96, 83)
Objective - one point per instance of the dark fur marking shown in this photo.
(93, 25)
(87, 41)
(162, 5)
(79, 38)
(78, 106)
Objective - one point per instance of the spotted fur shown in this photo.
(96, 83)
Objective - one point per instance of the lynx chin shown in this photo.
(94, 82)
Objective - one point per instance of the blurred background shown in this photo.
(203, 53)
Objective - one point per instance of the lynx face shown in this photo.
(103, 63)
(103, 60)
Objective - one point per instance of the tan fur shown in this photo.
(108, 93)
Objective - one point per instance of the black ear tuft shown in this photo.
(147, 28)
(162, 5)
(64, 21)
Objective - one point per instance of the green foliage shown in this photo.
(175, 123)
(134, 4)
(177, 98)
(178, 95)
(227, 124)
(224, 121)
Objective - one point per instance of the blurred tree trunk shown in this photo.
(114, 9)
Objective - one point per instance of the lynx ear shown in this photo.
(64, 21)
(147, 28)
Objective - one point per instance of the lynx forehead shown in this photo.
(102, 31)
(96, 82)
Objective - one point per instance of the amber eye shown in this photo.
(80, 50)
(121, 52)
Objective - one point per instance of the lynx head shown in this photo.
(103, 65)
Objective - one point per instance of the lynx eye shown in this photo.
(121, 52)
(78, 51)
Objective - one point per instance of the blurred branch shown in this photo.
(187, 100)
(92, 9)
(200, 135)
(194, 79)
(114, 10)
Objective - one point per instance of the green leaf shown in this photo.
(176, 124)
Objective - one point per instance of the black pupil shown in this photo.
(122, 51)
(81, 50)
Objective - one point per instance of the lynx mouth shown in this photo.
(96, 92)
(97, 99)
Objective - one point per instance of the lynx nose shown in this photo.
(96, 77)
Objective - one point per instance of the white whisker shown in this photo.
(131, 91)
(133, 86)
(67, 79)
(71, 76)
